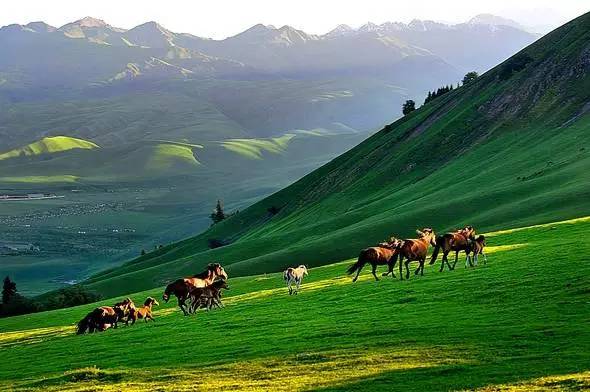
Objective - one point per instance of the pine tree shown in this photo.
(218, 215)
(8, 290)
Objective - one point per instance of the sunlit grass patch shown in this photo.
(254, 148)
(303, 371)
(29, 336)
(66, 178)
(552, 224)
(565, 382)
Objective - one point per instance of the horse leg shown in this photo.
(298, 281)
(401, 269)
(374, 270)
(358, 272)
(407, 268)
(422, 266)
(485, 259)
(444, 259)
(456, 258)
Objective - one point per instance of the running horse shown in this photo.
(181, 288)
(294, 275)
(414, 250)
(456, 241)
(382, 254)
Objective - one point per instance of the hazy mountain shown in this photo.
(181, 120)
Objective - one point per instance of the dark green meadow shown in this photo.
(518, 323)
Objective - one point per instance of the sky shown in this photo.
(222, 18)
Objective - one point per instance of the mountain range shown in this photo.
(177, 121)
(506, 150)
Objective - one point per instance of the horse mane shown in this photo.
(202, 275)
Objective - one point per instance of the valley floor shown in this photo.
(518, 323)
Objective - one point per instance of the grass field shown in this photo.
(518, 323)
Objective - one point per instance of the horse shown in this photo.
(205, 278)
(414, 250)
(181, 288)
(145, 312)
(476, 247)
(208, 297)
(125, 306)
(382, 254)
(455, 241)
(294, 275)
(100, 319)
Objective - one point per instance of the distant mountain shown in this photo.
(183, 120)
(494, 20)
(508, 149)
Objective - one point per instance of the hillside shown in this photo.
(49, 145)
(506, 150)
(518, 323)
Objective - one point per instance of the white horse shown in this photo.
(294, 275)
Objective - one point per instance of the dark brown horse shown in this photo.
(476, 247)
(145, 312)
(181, 288)
(208, 297)
(381, 254)
(100, 319)
(414, 250)
(456, 241)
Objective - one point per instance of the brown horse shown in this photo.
(414, 250)
(205, 278)
(181, 288)
(456, 241)
(381, 254)
(476, 247)
(208, 297)
(100, 319)
(124, 308)
(145, 312)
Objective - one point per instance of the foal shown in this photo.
(294, 275)
(476, 247)
(145, 312)
(208, 297)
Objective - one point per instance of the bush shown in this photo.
(71, 296)
(217, 243)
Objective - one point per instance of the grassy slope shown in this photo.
(505, 150)
(519, 322)
(49, 145)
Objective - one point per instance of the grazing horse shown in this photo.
(476, 247)
(448, 242)
(414, 250)
(381, 254)
(294, 275)
(145, 312)
(208, 297)
(181, 288)
(100, 319)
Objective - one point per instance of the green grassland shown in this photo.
(507, 149)
(49, 145)
(520, 322)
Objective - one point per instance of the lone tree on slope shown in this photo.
(470, 77)
(218, 215)
(408, 107)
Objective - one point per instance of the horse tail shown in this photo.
(286, 275)
(359, 262)
(439, 240)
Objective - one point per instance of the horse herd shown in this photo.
(204, 290)
(201, 290)
(396, 250)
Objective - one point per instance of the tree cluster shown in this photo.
(437, 93)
